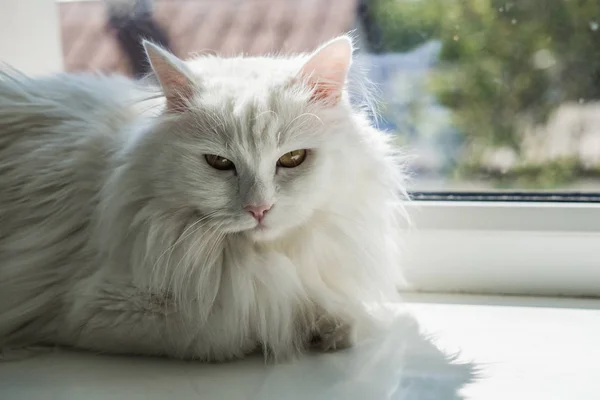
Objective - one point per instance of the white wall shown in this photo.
(30, 35)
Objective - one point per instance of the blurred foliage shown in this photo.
(404, 25)
(503, 64)
(554, 173)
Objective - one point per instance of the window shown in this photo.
(491, 94)
(497, 103)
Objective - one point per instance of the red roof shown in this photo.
(226, 27)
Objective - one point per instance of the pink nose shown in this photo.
(258, 212)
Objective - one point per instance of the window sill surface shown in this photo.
(517, 347)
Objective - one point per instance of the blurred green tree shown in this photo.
(503, 64)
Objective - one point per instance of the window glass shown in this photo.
(492, 94)
(482, 94)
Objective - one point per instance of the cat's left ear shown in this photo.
(327, 69)
(173, 75)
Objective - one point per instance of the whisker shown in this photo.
(267, 112)
(206, 236)
(301, 116)
(184, 235)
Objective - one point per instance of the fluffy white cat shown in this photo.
(243, 204)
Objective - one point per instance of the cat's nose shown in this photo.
(258, 212)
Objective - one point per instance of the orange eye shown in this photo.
(218, 162)
(292, 159)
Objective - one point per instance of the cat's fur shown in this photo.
(117, 236)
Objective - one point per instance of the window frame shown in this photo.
(518, 248)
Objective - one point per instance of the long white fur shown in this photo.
(116, 236)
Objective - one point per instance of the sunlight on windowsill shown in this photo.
(455, 347)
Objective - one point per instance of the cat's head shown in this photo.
(255, 145)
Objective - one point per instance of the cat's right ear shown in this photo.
(173, 76)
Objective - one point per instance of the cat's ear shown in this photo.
(173, 76)
(327, 69)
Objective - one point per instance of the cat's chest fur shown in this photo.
(272, 295)
(261, 299)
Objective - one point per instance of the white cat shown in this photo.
(249, 207)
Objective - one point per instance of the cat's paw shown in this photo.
(333, 334)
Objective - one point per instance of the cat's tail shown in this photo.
(133, 21)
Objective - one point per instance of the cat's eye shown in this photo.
(218, 162)
(292, 159)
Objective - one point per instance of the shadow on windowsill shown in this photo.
(400, 363)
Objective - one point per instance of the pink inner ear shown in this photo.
(329, 84)
(326, 70)
(177, 86)
(178, 94)
(325, 91)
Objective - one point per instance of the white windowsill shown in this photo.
(524, 348)
(503, 248)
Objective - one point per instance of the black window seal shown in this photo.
(505, 196)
